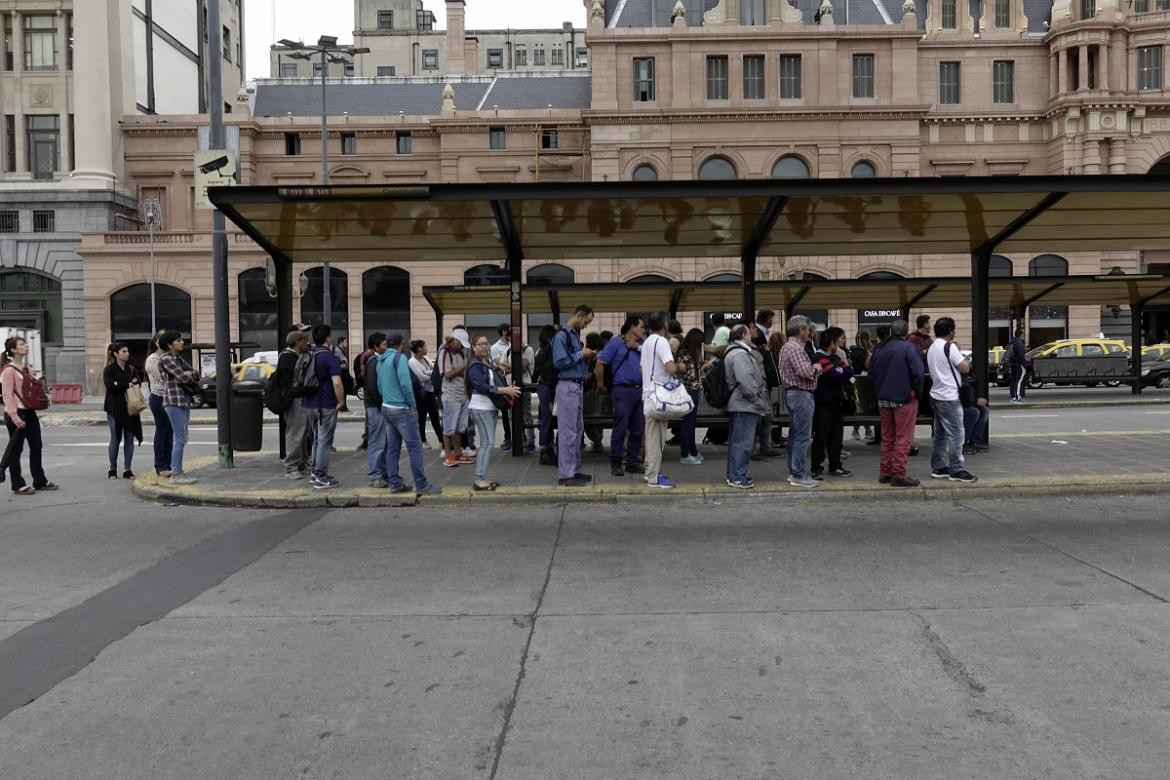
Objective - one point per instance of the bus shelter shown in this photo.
(462, 223)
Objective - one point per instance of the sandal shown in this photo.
(476, 486)
(494, 485)
(25, 491)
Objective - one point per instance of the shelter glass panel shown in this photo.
(386, 300)
(258, 312)
(313, 301)
(486, 324)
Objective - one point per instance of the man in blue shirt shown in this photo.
(324, 405)
(624, 357)
(400, 415)
(570, 359)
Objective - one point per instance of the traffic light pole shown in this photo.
(223, 337)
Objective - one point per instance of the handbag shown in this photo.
(668, 401)
(502, 402)
(135, 400)
(966, 391)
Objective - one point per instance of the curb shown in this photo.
(151, 488)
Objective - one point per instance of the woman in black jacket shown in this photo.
(125, 428)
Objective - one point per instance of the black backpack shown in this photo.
(715, 387)
(278, 397)
(373, 396)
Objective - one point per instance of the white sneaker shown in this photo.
(426, 445)
(469, 452)
(183, 479)
(804, 482)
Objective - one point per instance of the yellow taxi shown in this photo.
(1074, 348)
(258, 372)
(1155, 351)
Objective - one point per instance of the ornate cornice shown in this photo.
(838, 114)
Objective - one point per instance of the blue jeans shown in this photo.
(375, 443)
(629, 423)
(975, 419)
(570, 426)
(545, 395)
(119, 435)
(485, 428)
(947, 449)
(164, 437)
(402, 427)
(801, 407)
(180, 417)
(324, 422)
(686, 437)
(739, 443)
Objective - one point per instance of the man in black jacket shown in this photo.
(377, 435)
(1018, 362)
(296, 417)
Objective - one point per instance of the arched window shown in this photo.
(820, 317)
(313, 301)
(882, 275)
(30, 300)
(257, 312)
(999, 320)
(645, 172)
(650, 279)
(1161, 168)
(1001, 266)
(870, 317)
(549, 273)
(863, 170)
(130, 315)
(724, 277)
(1048, 265)
(386, 300)
(790, 167)
(1047, 323)
(486, 324)
(717, 168)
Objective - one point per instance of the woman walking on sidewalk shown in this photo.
(125, 428)
(16, 379)
(179, 382)
(485, 384)
(164, 437)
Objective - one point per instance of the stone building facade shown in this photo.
(739, 89)
(70, 73)
(404, 41)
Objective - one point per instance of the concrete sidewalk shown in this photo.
(1017, 465)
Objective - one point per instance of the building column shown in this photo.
(93, 91)
(1103, 53)
(1117, 156)
(1054, 76)
(18, 99)
(732, 11)
(1062, 71)
(1092, 158)
(1083, 69)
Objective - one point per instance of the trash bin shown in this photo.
(247, 416)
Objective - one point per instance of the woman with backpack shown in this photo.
(179, 383)
(23, 395)
(125, 428)
(487, 387)
(691, 355)
(428, 401)
(164, 437)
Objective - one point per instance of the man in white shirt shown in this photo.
(947, 366)
(658, 366)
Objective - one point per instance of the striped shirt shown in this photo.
(796, 371)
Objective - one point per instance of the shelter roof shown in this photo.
(939, 293)
(669, 219)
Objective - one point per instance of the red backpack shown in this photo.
(32, 392)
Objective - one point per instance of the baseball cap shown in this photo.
(395, 339)
(463, 336)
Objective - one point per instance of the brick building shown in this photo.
(738, 88)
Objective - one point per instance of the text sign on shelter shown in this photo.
(213, 168)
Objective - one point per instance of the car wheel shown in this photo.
(1113, 383)
(1035, 384)
(360, 393)
(1164, 382)
(197, 401)
(1090, 384)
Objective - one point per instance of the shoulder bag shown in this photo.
(666, 400)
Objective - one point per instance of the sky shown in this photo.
(308, 19)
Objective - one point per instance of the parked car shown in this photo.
(1156, 373)
(1076, 348)
(1155, 351)
(240, 372)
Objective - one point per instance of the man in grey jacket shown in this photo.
(747, 407)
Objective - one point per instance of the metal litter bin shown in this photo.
(247, 416)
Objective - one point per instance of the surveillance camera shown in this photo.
(214, 166)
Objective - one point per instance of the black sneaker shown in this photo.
(635, 468)
(547, 458)
(885, 479)
(968, 449)
(818, 475)
(963, 476)
(616, 470)
(914, 452)
(572, 482)
(840, 472)
(904, 482)
(584, 477)
(940, 473)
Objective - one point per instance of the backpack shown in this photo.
(549, 373)
(32, 393)
(715, 387)
(278, 392)
(373, 395)
(305, 379)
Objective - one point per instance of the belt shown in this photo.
(627, 385)
(799, 390)
(574, 381)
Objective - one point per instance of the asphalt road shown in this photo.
(738, 640)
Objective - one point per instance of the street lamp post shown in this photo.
(329, 52)
(152, 220)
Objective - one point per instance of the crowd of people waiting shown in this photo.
(467, 390)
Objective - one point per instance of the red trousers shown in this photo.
(897, 436)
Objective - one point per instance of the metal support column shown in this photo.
(326, 280)
(284, 319)
(980, 302)
(1135, 334)
(515, 254)
(219, 261)
(751, 251)
(749, 287)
